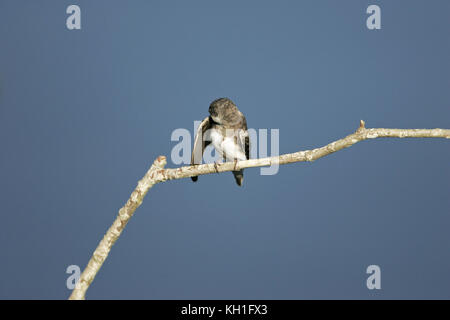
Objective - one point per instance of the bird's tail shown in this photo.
(239, 176)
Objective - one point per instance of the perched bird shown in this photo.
(226, 129)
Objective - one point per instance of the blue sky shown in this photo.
(83, 114)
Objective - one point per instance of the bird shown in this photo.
(226, 129)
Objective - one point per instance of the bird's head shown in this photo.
(223, 110)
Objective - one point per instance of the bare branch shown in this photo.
(157, 174)
(113, 233)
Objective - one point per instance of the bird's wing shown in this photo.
(200, 144)
(244, 140)
(247, 146)
(244, 143)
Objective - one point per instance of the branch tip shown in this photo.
(362, 124)
(161, 161)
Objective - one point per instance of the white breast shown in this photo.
(227, 144)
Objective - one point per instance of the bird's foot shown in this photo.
(235, 164)
(216, 166)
